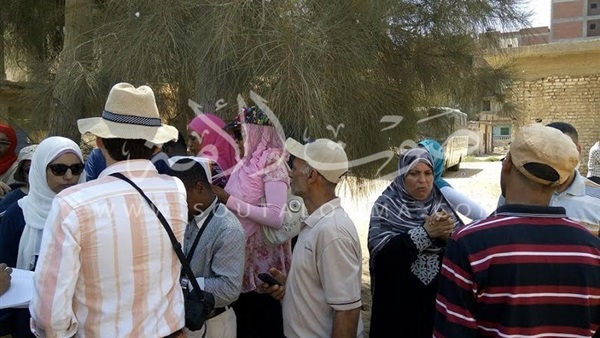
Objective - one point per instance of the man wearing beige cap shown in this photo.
(107, 267)
(321, 296)
(579, 196)
(526, 270)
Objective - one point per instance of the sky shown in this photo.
(541, 9)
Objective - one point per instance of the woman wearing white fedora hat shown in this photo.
(119, 274)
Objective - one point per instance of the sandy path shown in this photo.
(479, 180)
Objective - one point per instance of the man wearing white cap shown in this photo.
(322, 291)
(107, 267)
(527, 270)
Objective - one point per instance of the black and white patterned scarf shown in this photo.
(396, 212)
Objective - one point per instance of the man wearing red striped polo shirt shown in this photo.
(527, 270)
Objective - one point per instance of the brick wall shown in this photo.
(567, 30)
(567, 9)
(558, 82)
(575, 100)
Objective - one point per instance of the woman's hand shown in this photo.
(222, 195)
(439, 225)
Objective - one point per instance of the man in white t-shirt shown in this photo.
(321, 296)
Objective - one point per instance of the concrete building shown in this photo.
(571, 20)
(574, 19)
(557, 74)
(525, 37)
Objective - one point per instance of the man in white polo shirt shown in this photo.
(578, 195)
(322, 291)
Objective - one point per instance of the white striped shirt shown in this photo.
(107, 267)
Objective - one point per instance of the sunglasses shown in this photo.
(60, 169)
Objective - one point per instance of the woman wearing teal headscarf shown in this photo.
(437, 154)
(460, 202)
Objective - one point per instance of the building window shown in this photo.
(592, 26)
(487, 105)
(504, 131)
(593, 5)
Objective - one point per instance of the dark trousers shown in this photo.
(258, 316)
(15, 322)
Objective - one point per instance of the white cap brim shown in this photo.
(295, 148)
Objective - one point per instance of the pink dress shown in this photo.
(261, 175)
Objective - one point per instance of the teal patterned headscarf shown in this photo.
(437, 154)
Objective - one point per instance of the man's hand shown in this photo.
(275, 291)
(4, 189)
(5, 272)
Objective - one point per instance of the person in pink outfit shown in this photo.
(257, 192)
(208, 139)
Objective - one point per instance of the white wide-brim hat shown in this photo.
(129, 113)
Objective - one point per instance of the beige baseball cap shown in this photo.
(324, 155)
(537, 149)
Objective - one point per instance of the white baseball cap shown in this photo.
(327, 157)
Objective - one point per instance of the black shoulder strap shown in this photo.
(197, 239)
(176, 245)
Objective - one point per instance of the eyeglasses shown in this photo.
(4, 143)
(60, 169)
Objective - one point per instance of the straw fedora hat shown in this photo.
(129, 113)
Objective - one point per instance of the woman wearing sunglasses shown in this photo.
(56, 164)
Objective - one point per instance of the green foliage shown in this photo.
(33, 34)
(326, 68)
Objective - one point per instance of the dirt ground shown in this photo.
(480, 180)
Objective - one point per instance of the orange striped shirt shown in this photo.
(106, 266)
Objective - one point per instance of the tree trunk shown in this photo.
(76, 60)
(2, 66)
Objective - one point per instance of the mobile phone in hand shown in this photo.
(269, 279)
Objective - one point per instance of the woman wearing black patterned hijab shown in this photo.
(410, 223)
